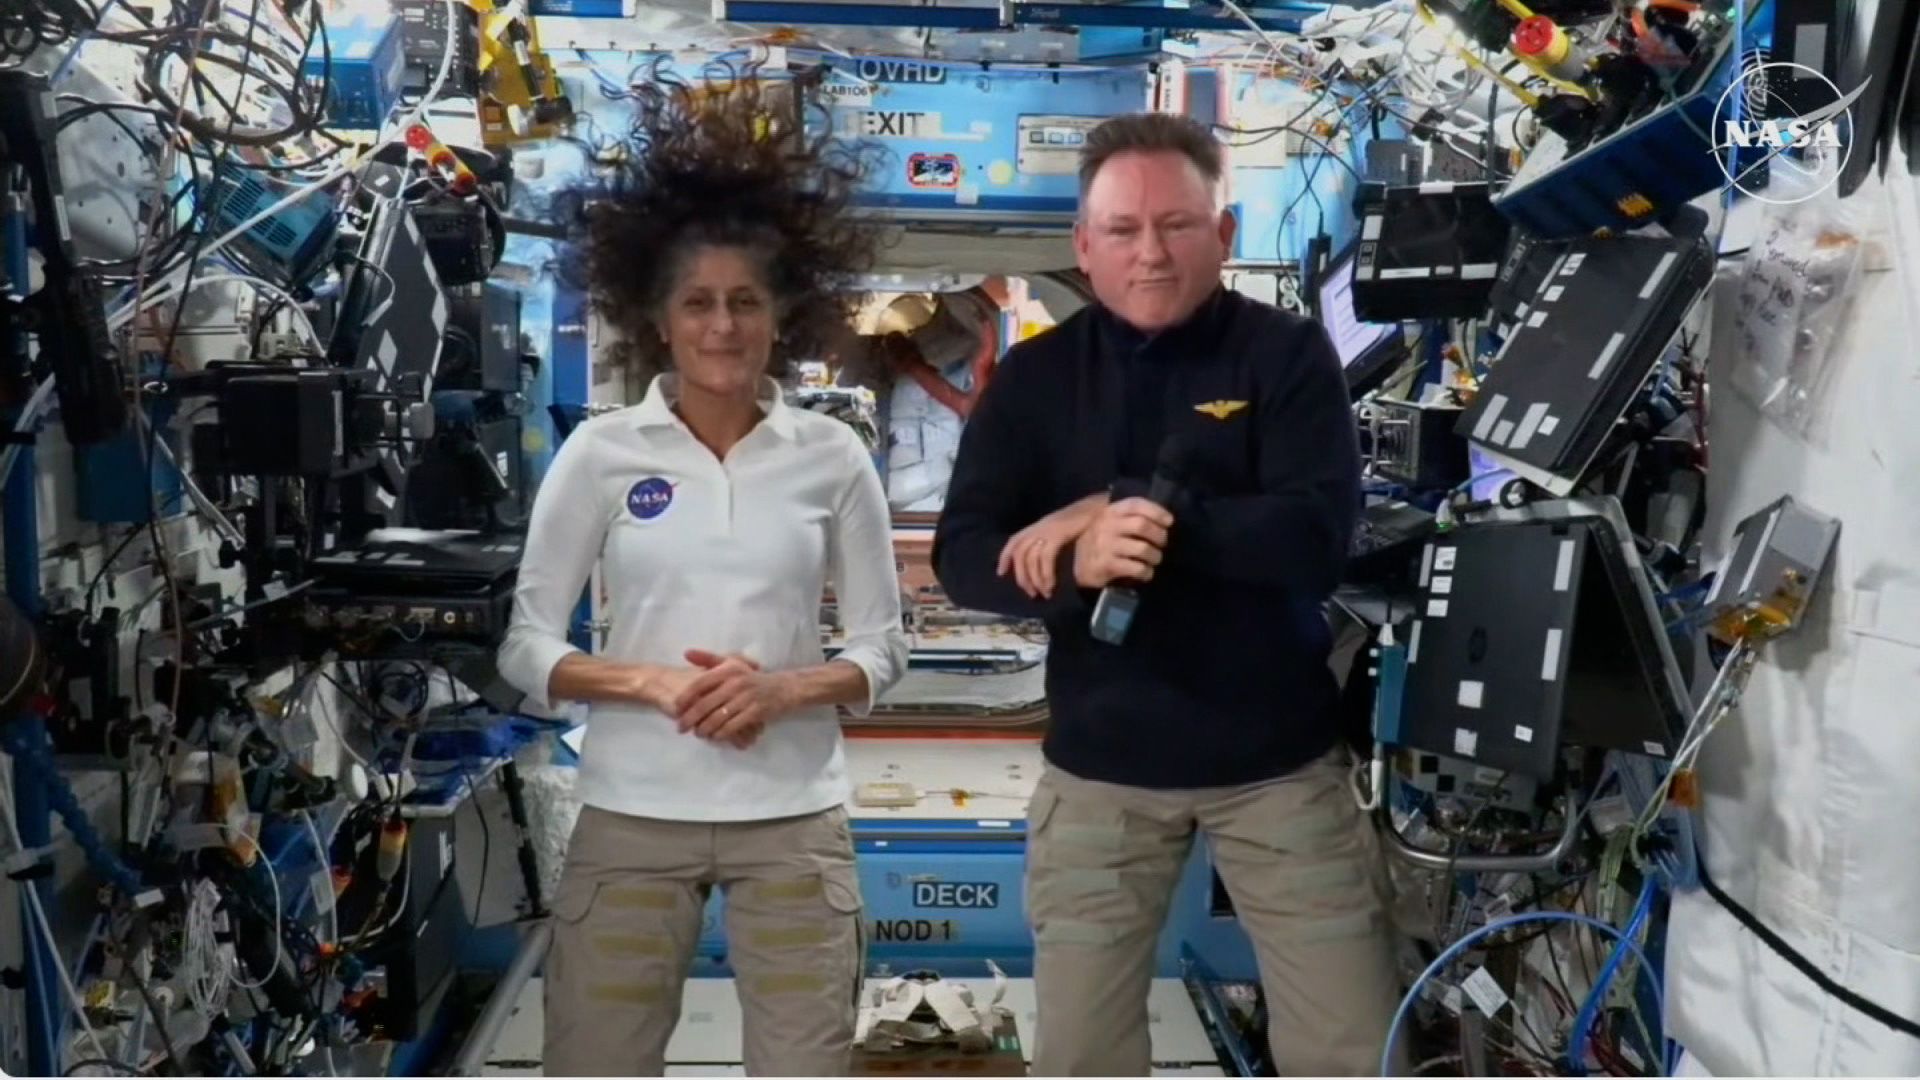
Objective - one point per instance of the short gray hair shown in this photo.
(1151, 133)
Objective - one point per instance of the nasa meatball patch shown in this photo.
(649, 498)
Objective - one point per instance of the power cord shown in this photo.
(1454, 951)
(1806, 967)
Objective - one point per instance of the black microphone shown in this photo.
(1119, 601)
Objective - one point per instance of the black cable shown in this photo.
(107, 565)
(486, 851)
(1559, 970)
(152, 441)
(1806, 967)
(288, 86)
(1493, 101)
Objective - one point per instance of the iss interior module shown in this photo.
(1506, 404)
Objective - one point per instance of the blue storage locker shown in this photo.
(948, 896)
(1659, 162)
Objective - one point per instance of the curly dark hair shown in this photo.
(730, 162)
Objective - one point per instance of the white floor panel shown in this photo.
(521, 1040)
(709, 1031)
(1179, 1035)
(708, 1040)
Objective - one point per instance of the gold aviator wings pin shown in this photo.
(1220, 410)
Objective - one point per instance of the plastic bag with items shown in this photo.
(1793, 299)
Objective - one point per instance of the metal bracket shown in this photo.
(1479, 864)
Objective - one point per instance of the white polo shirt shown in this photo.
(699, 553)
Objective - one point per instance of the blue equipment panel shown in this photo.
(292, 241)
(1654, 164)
(117, 482)
(364, 79)
(972, 142)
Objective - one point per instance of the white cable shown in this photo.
(273, 877)
(60, 968)
(326, 866)
(405, 769)
(406, 893)
(40, 916)
(272, 290)
(207, 974)
(326, 716)
(28, 417)
(1273, 47)
(170, 283)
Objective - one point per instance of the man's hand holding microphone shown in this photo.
(1117, 545)
(1112, 541)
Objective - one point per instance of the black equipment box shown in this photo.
(1426, 252)
(1536, 634)
(484, 326)
(423, 43)
(281, 425)
(421, 951)
(458, 240)
(1395, 162)
(1416, 445)
(1599, 322)
(1385, 538)
(423, 586)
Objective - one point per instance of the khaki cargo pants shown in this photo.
(1302, 865)
(626, 921)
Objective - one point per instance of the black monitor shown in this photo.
(1368, 351)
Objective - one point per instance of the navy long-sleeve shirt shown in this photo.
(1223, 677)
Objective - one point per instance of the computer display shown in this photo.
(1351, 337)
(1368, 351)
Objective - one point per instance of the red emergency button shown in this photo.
(1540, 37)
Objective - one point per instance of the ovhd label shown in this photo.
(901, 71)
(956, 894)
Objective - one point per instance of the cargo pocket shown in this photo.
(1297, 857)
(843, 896)
(841, 888)
(793, 929)
(1097, 875)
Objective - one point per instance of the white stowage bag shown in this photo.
(552, 808)
(1809, 799)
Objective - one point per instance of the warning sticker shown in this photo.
(934, 170)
